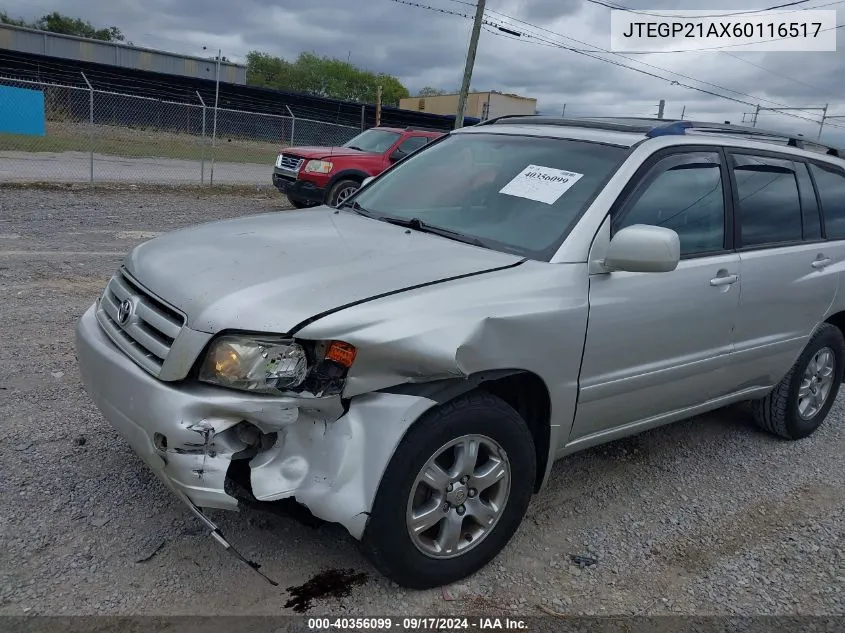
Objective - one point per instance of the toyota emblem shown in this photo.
(124, 312)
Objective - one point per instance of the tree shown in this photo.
(322, 76)
(57, 23)
(5, 19)
(64, 25)
(428, 91)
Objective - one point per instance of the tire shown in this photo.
(300, 204)
(387, 541)
(341, 190)
(780, 412)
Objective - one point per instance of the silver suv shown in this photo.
(410, 365)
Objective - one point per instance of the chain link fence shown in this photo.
(90, 135)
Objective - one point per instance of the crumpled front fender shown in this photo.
(335, 468)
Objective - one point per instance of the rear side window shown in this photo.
(413, 144)
(769, 207)
(831, 187)
(682, 192)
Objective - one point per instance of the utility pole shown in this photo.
(756, 112)
(758, 109)
(214, 124)
(378, 106)
(827, 117)
(202, 150)
(90, 129)
(473, 46)
(660, 107)
(821, 123)
(563, 114)
(683, 111)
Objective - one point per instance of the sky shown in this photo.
(428, 47)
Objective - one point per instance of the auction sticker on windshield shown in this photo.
(543, 184)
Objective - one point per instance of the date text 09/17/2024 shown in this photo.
(417, 624)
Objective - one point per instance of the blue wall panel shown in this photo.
(21, 111)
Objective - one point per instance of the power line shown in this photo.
(599, 49)
(716, 15)
(777, 39)
(591, 53)
(781, 75)
(517, 37)
(445, 11)
(821, 6)
(769, 70)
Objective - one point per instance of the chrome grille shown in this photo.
(148, 332)
(291, 163)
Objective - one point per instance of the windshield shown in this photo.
(518, 194)
(378, 141)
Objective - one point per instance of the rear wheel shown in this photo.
(798, 405)
(453, 494)
(341, 191)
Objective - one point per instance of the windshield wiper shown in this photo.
(419, 225)
(355, 147)
(357, 208)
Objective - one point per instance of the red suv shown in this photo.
(311, 176)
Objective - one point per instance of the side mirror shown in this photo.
(644, 249)
(366, 181)
(397, 155)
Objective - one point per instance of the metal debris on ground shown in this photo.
(546, 609)
(583, 561)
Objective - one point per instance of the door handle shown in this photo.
(820, 263)
(724, 280)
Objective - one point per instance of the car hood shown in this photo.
(324, 152)
(271, 272)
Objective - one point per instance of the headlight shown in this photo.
(318, 167)
(262, 365)
(268, 364)
(279, 160)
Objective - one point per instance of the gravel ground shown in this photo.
(708, 516)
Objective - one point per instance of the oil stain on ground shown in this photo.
(331, 583)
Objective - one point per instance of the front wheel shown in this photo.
(799, 403)
(341, 191)
(453, 494)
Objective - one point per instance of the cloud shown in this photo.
(428, 47)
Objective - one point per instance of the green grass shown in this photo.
(137, 143)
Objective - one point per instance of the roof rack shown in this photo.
(679, 128)
(537, 119)
(666, 127)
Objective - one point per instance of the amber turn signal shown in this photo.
(341, 353)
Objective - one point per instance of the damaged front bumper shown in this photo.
(328, 458)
